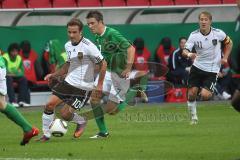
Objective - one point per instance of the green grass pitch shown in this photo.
(159, 131)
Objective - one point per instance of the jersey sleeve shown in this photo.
(221, 35)
(61, 59)
(94, 53)
(190, 43)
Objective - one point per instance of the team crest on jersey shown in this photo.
(214, 42)
(111, 47)
(80, 55)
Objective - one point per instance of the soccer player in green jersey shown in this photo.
(10, 111)
(119, 55)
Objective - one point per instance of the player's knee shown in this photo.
(65, 115)
(111, 107)
(94, 103)
(191, 96)
(206, 96)
(2, 105)
(113, 112)
(109, 110)
(50, 106)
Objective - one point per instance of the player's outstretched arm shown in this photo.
(130, 60)
(97, 92)
(59, 72)
(102, 72)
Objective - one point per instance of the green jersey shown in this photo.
(113, 47)
(14, 66)
(61, 59)
(2, 62)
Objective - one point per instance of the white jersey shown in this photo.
(82, 58)
(208, 48)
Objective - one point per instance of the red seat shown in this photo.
(138, 3)
(88, 3)
(41, 83)
(236, 76)
(210, 2)
(39, 4)
(229, 1)
(1, 2)
(64, 3)
(185, 2)
(107, 3)
(161, 2)
(14, 4)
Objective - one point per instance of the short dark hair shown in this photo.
(181, 38)
(13, 46)
(75, 22)
(95, 14)
(206, 14)
(24, 44)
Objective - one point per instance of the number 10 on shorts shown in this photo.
(77, 104)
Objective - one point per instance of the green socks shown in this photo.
(143, 82)
(130, 95)
(99, 114)
(13, 114)
(99, 117)
(121, 106)
(101, 124)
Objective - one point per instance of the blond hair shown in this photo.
(206, 14)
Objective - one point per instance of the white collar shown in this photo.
(104, 31)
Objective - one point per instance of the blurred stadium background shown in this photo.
(44, 20)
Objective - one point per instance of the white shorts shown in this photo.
(3, 86)
(114, 86)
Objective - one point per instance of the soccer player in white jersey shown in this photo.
(78, 81)
(207, 42)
